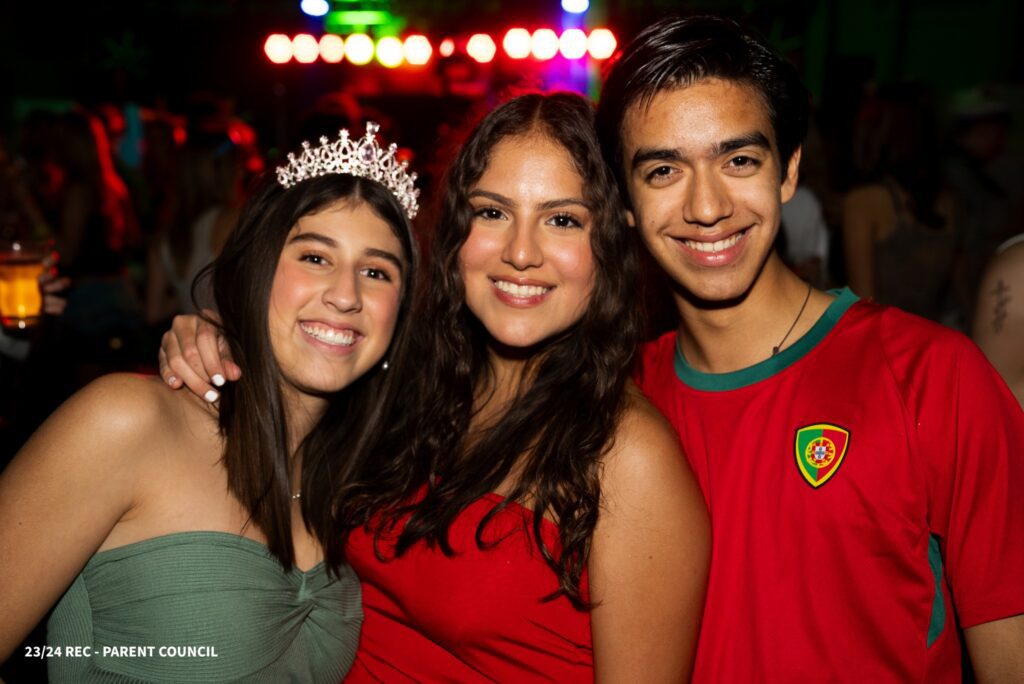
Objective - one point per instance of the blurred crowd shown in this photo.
(906, 202)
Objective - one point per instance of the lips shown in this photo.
(720, 252)
(333, 336)
(521, 292)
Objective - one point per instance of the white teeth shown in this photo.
(341, 338)
(717, 246)
(520, 290)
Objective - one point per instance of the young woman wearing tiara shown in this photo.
(528, 514)
(194, 544)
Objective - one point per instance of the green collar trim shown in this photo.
(720, 382)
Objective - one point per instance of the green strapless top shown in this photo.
(204, 607)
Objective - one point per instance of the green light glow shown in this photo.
(359, 18)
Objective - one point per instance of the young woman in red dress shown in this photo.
(530, 515)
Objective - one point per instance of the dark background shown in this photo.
(158, 55)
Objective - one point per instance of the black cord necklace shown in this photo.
(776, 348)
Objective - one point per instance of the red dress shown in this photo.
(476, 616)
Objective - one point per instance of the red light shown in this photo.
(573, 43)
(447, 47)
(481, 47)
(332, 48)
(601, 44)
(417, 49)
(544, 44)
(306, 48)
(278, 48)
(517, 43)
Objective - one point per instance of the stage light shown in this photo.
(447, 47)
(332, 48)
(601, 43)
(544, 44)
(481, 47)
(359, 48)
(305, 48)
(517, 43)
(573, 43)
(575, 6)
(278, 48)
(315, 8)
(417, 49)
(389, 52)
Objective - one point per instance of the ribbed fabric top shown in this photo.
(204, 589)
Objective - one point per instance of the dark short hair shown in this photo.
(679, 51)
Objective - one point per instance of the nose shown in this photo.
(707, 200)
(522, 250)
(342, 292)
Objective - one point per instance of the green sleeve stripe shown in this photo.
(938, 620)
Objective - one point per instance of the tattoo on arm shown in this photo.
(1002, 295)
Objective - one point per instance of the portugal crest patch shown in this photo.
(820, 450)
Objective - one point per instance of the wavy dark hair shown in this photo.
(252, 415)
(562, 421)
(679, 51)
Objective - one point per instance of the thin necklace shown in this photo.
(776, 348)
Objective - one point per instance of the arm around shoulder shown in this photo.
(649, 558)
(63, 493)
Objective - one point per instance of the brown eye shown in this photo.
(313, 258)
(489, 214)
(376, 274)
(564, 221)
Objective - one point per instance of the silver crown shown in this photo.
(363, 158)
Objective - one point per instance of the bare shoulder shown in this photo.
(1008, 264)
(646, 449)
(122, 403)
(112, 417)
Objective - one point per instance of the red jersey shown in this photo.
(477, 616)
(861, 484)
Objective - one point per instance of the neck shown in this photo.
(722, 337)
(302, 411)
(508, 368)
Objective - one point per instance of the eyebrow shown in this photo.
(543, 206)
(387, 256)
(322, 239)
(755, 139)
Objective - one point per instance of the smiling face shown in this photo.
(527, 263)
(703, 171)
(335, 298)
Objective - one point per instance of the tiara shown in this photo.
(363, 158)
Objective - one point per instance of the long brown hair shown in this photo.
(252, 415)
(560, 424)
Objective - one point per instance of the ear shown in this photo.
(792, 176)
(630, 218)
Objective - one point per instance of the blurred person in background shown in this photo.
(207, 199)
(804, 237)
(94, 231)
(986, 177)
(899, 227)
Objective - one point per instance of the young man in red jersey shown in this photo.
(861, 465)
